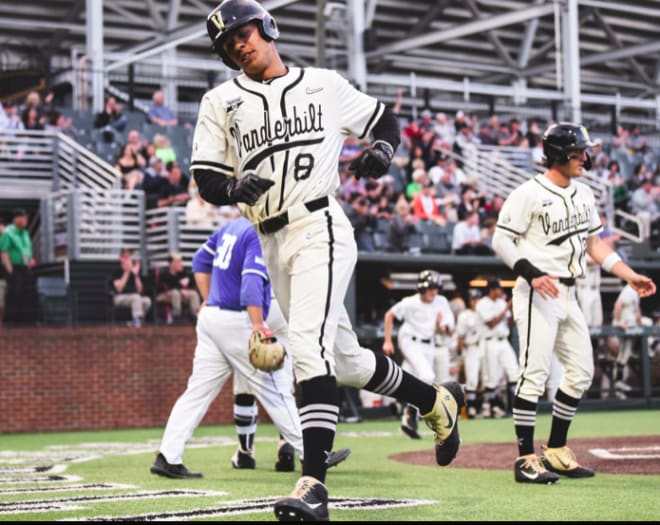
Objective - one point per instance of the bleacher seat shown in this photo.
(56, 303)
(434, 238)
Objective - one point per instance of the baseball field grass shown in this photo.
(105, 475)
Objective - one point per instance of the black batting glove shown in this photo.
(248, 189)
(373, 162)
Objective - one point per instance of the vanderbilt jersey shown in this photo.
(467, 327)
(488, 309)
(551, 224)
(289, 129)
(419, 318)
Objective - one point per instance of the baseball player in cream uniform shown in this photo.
(470, 349)
(500, 360)
(422, 316)
(269, 139)
(545, 229)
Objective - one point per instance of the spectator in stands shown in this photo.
(426, 122)
(139, 146)
(352, 185)
(401, 227)
(616, 185)
(464, 138)
(175, 190)
(425, 205)
(534, 134)
(163, 148)
(129, 166)
(444, 130)
(3, 279)
(639, 176)
(33, 113)
(128, 289)
(60, 123)
(363, 221)
(466, 236)
(510, 135)
(419, 178)
(12, 118)
(378, 194)
(176, 288)
(159, 113)
(200, 213)
(636, 143)
(349, 151)
(32, 120)
(644, 203)
(487, 231)
(111, 120)
(468, 202)
(599, 157)
(16, 257)
(4, 119)
(461, 121)
(485, 135)
(619, 142)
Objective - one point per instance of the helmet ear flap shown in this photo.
(587, 163)
(268, 28)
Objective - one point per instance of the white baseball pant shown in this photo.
(222, 341)
(546, 326)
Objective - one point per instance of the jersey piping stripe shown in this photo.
(286, 157)
(256, 272)
(256, 160)
(527, 339)
(215, 166)
(508, 229)
(377, 112)
(328, 298)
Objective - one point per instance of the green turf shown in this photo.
(456, 494)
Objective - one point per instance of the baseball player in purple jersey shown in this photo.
(233, 281)
(270, 140)
(544, 231)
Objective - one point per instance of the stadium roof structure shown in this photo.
(593, 60)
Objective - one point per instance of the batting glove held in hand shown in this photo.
(248, 189)
(266, 353)
(373, 162)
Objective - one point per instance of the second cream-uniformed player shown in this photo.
(544, 230)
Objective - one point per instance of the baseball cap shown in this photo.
(474, 293)
(492, 284)
(19, 212)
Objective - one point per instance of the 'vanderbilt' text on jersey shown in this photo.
(289, 129)
(551, 224)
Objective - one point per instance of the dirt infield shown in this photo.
(617, 455)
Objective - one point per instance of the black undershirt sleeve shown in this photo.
(213, 186)
(387, 129)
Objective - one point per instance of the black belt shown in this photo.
(567, 281)
(278, 222)
(415, 338)
(493, 337)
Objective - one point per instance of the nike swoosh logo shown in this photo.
(565, 465)
(314, 505)
(530, 476)
(449, 417)
(311, 91)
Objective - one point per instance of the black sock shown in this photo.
(319, 412)
(524, 419)
(390, 380)
(245, 419)
(563, 411)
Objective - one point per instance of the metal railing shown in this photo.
(92, 224)
(35, 163)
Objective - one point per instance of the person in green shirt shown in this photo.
(17, 261)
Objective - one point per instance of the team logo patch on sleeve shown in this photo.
(233, 104)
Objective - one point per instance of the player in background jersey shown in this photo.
(470, 350)
(270, 140)
(422, 316)
(545, 229)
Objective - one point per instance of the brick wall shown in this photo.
(97, 378)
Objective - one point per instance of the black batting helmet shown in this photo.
(560, 138)
(492, 284)
(428, 279)
(231, 14)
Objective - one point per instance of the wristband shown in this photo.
(527, 270)
(609, 261)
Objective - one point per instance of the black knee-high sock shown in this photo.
(563, 411)
(390, 380)
(319, 412)
(524, 419)
(245, 419)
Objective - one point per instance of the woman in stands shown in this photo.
(128, 166)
